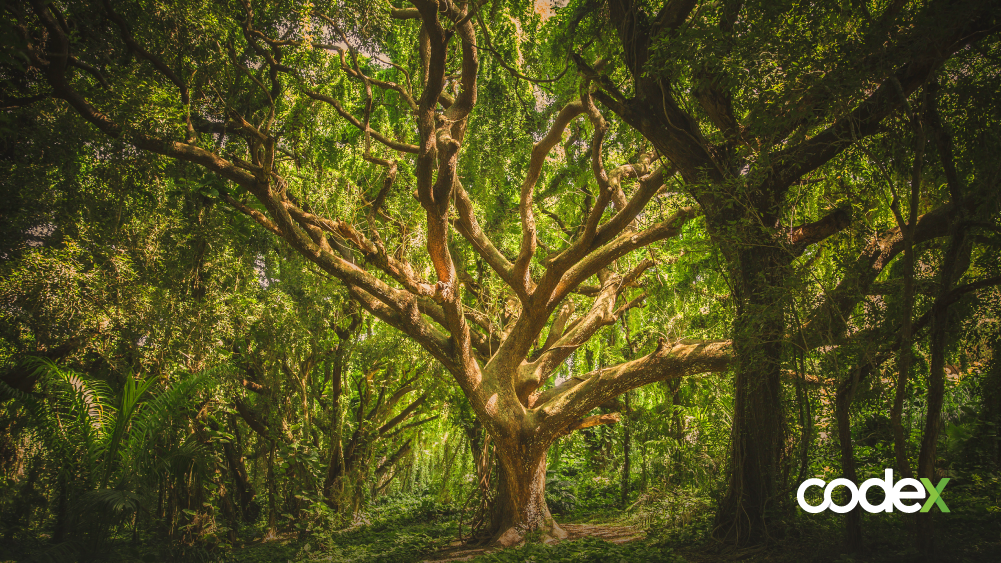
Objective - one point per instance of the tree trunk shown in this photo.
(905, 360)
(520, 506)
(951, 270)
(757, 432)
(925, 529)
(229, 511)
(234, 464)
(626, 469)
(272, 493)
(842, 406)
(332, 488)
(331, 482)
(955, 262)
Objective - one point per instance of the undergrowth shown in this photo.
(411, 528)
(586, 550)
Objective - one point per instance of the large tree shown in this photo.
(316, 115)
(751, 101)
(246, 75)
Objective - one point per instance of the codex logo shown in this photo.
(895, 495)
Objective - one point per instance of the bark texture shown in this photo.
(520, 506)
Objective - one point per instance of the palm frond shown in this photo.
(88, 402)
(152, 419)
(114, 502)
(157, 412)
(131, 393)
(45, 425)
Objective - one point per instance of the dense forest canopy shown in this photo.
(275, 263)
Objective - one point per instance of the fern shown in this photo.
(117, 502)
(131, 393)
(45, 426)
(154, 418)
(103, 435)
(82, 408)
(157, 413)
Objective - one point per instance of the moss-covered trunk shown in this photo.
(758, 422)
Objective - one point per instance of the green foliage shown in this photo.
(170, 368)
(560, 495)
(399, 527)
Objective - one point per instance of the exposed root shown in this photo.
(516, 535)
(459, 551)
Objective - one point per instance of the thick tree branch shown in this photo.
(254, 387)
(829, 320)
(157, 63)
(864, 120)
(440, 141)
(557, 408)
(803, 236)
(671, 16)
(469, 228)
(603, 312)
(620, 246)
(591, 421)
(251, 418)
(540, 150)
(394, 459)
(404, 414)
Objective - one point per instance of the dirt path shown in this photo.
(614, 534)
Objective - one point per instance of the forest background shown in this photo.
(355, 279)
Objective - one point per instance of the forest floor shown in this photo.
(969, 538)
(615, 534)
(670, 528)
(614, 537)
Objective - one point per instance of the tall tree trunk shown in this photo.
(903, 363)
(229, 511)
(757, 432)
(842, 407)
(951, 270)
(234, 463)
(954, 263)
(626, 445)
(272, 493)
(520, 506)
(906, 353)
(807, 438)
(925, 530)
(335, 460)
